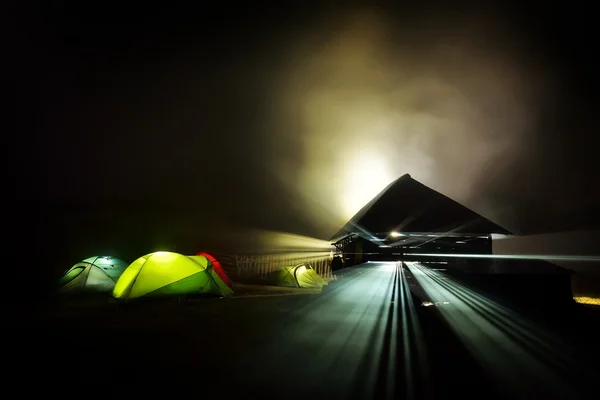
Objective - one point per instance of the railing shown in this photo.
(258, 266)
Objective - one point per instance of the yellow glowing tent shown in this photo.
(301, 275)
(166, 273)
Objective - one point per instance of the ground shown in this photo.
(364, 336)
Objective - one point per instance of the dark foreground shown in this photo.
(365, 336)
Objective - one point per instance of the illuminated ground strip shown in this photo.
(374, 348)
(356, 350)
(512, 256)
(416, 348)
(587, 300)
(510, 348)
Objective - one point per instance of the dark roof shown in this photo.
(407, 205)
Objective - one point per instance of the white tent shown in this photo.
(92, 275)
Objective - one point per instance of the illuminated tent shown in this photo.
(302, 275)
(218, 268)
(94, 274)
(166, 273)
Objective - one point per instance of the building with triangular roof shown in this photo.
(409, 217)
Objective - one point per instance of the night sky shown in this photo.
(146, 127)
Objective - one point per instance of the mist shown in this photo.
(362, 100)
(292, 122)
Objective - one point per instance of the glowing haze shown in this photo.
(373, 101)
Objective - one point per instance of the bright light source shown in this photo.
(368, 167)
(395, 234)
(384, 246)
(436, 303)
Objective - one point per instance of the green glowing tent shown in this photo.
(166, 273)
(94, 274)
(302, 275)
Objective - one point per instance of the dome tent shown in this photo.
(218, 268)
(93, 275)
(301, 275)
(167, 273)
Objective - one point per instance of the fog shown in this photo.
(183, 130)
(362, 100)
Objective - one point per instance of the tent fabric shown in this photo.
(301, 275)
(167, 273)
(94, 274)
(218, 268)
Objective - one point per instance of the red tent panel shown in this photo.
(217, 268)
